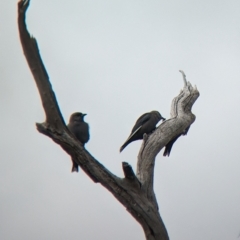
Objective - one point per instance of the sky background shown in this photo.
(116, 60)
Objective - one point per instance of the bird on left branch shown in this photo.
(80, 130)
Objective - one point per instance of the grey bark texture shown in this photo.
(135, 192)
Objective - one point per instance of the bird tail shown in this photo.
(74, 167)
(168, 147)
(124, 145)
(167, 151)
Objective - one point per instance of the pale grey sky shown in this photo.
(116, 60)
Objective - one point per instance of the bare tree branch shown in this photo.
(31, 52)
(134, 192)
(184, 77)
(181, 119)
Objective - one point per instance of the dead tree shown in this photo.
(135, 192)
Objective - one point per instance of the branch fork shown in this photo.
(135, 192)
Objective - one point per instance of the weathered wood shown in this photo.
(35, 63)
(181, 119)
(134, 192)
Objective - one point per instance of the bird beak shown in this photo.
(84, 114)
(163, 118)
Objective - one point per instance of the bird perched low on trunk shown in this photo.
(145, 124)
(168, 147)
(80, 130)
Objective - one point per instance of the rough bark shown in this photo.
(181, 119)
(134, 192)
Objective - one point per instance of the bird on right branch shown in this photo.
(168, 147)
(145, 124)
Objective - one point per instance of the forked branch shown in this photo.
(134, 192)
(181, 119)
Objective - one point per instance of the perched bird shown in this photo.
(145, 124)
(168, 147)
(80, 130)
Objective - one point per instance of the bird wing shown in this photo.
(133, 133)
(141, 120)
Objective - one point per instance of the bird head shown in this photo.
(158, 115)
(77, 117)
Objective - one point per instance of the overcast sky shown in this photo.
(116, 60)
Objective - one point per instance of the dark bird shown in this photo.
(145, 124)
(80, 130)
(168, 147)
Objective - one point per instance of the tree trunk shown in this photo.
(134, 192)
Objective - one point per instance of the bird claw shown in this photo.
(145, 137)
